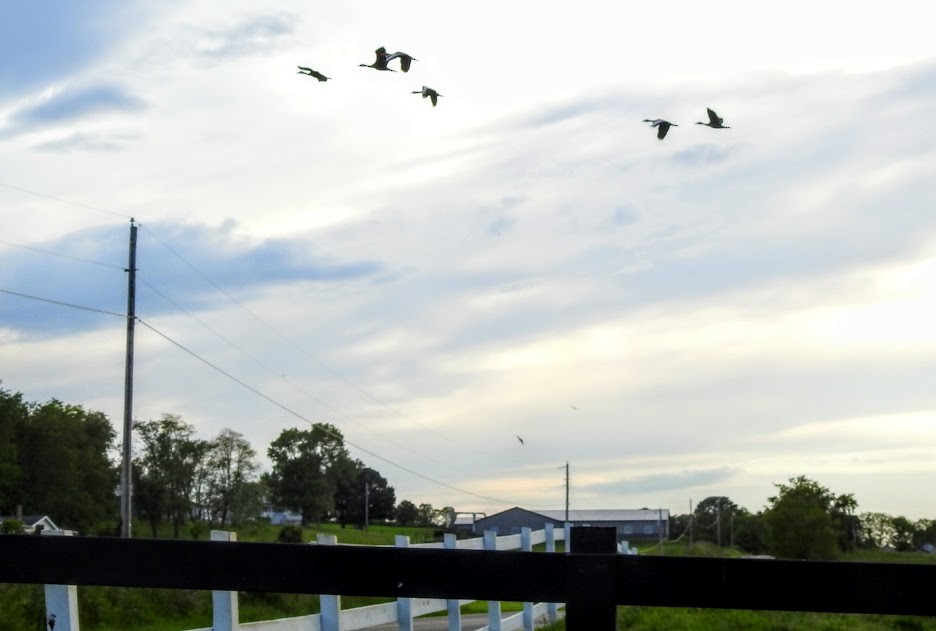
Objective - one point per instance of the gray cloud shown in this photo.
(211, 257)
(685, 479)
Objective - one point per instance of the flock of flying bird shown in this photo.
(383, 59)
(382, 62)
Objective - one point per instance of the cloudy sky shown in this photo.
(709, 314)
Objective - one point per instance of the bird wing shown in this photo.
(318, 75)
(713, 117)
(663, 128)
(434, 97)
(304, 69)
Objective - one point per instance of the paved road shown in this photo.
(470, 622)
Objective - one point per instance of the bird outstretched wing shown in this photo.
(713, 117)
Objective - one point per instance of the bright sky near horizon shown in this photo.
(726, 309)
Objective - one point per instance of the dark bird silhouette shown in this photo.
(405, 60)
(661, 125)
(521, 440)
(312, 73)
(573, 407)
(715, 122)
(380, 63)
(427, 91)
(51, 621)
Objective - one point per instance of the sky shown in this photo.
(710, 314)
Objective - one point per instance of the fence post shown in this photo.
(225, 607)
(61, 601)
(527, 546)
(404, 605)
(551, 612)
(454, 608)
(329, 604)
(592, 574)
(494, 606)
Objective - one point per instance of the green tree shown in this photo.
(406, 513)
(748, 532)
(877, 529)
(64, 457)
(13, 415)
(800, 522)
(230, 467)
(302, 459)
(426, 516)
(168, 467)
(714, 519)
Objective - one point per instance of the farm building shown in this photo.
(644, 523)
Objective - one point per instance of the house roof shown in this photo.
(609, 514)
(596, 515)
(31, 520)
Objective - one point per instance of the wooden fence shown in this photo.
(592, 579)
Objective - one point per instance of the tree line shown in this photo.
(804, 520)
(63, 461)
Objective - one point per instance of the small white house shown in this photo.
(282, 518)
(32, 524)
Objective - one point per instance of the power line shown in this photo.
(302, 418)
(296, 346)
(260, 394)
(265, 366)
(63, 304)
(59, 254)
(65, 201)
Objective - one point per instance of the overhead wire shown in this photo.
(262, 395)
(295, 346)
(64, 256)
(245, 308)
(283, 377)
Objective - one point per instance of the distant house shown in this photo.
(282, 518)
(464, 522)
(32, 524)
(631, 524)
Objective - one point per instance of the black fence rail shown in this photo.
(592, 579)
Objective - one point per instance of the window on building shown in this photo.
(628, 530)
(648, 530)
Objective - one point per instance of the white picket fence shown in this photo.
(225, 609)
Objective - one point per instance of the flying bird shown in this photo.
(405, 60)
(521, 440)
(715, 122)
(427, 91)
(312, 73)
(380, 63)
(573, 407)
(51, 621)
(661, 125)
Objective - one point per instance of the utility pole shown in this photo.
(690, 524)
(567, 492)
(125, 473)
(366, 504)
(718, 522)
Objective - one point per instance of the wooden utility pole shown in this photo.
(366, 504)
(125, 473)
(567, 492)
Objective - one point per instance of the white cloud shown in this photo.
(721, 306)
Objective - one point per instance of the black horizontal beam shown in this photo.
(782, 585)
(475, 574)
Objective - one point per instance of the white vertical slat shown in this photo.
(454, 610)
(494, 606)
(329, 604)
(61, 601)
(404, 605)
(225, 608)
